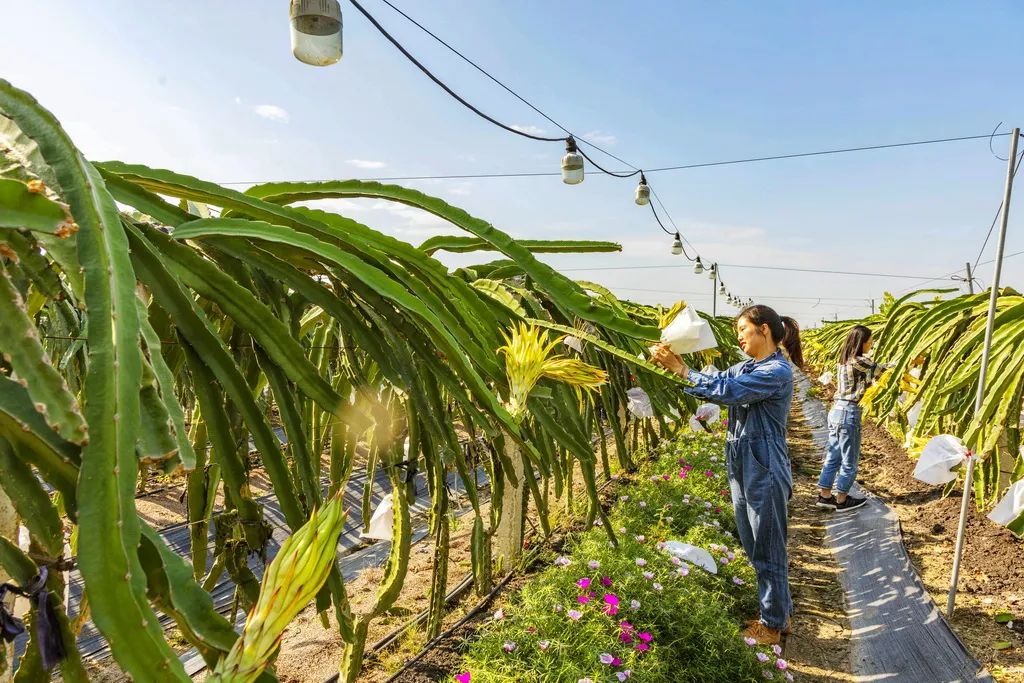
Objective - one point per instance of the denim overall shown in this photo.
(758, 395)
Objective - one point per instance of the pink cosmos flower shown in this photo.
(623, 675)
(781, 664)
(676, 561)
(499, 615)
(683, 474)
(562, 561)
(750, 641)
(583, 599)
(648, 575)
(777, 650)
(738, 581)
(509, 646)
(656, 586)
(709, 473)
(665, 477)
(605, 659)
(584, 583)
(642, 647)
(641, 562)
(594, 564)
(724, 560)
(762, 657)
(606, 581)
(464, 677)
(575, 615)
(789, 677)
(544, 645)
(634, 605)
(641, 538)
(683, 571)
(645, 637)
(625, 637)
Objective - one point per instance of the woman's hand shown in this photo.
(663, 356)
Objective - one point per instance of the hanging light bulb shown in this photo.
(721, 288)
(677, 246)
(698, 267)
(316, 31)
(572, 163)
(713, 271)
(643, 192)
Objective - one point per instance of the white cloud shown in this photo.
(271, 112)
(530, 130)
(600, 138)
(365, 163)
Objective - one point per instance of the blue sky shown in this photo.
(211, 89)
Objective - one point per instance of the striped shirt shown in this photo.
(854, 378)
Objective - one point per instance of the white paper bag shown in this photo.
(1010, 510)
(688, 333)
(826, 378)
(706, 413)
(639, 403)
(382, 521)
(914, 413)
(940, 455)
(692, 554)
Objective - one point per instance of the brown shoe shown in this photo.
(764, 635)
(786, 630)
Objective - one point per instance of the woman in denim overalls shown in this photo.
(758, 393)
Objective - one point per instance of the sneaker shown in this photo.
(851, 503)
(826, 503)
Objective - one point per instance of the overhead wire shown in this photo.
(539, 174)
(442, 84)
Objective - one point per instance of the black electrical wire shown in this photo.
(620, 174)
(441, 83)
(500, 83)
(478, 68)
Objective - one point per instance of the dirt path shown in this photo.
(818, 649)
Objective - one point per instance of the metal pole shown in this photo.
(993, 298)
(872, 307)
(970, 278)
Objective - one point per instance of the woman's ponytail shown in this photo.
(791, 341)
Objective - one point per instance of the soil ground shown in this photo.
(992, 568)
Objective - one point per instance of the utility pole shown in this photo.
(872, 307)
(979, 397)
(970, 279)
